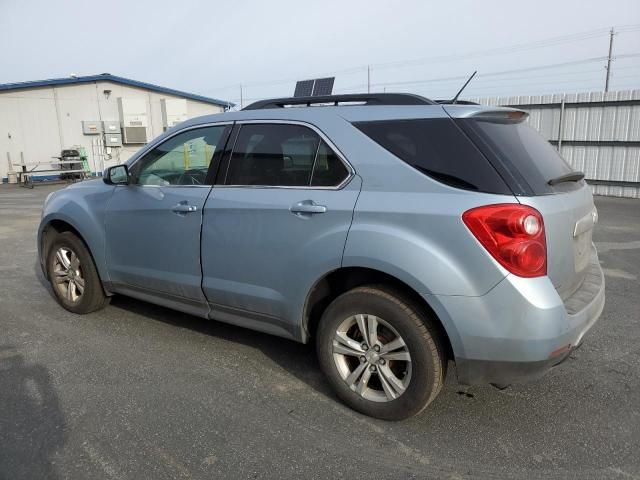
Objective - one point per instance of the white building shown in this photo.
(110, 116)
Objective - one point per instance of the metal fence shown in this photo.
(598, 133)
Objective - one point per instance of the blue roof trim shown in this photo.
(107, 77)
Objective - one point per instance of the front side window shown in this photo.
(181, 160)
(283, 155)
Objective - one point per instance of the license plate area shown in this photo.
(582, 233)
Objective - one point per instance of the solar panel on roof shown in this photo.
(314, 88)
(323, 86)
(304, 88)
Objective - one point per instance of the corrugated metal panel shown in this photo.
(585, 123)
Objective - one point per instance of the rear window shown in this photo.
(439, 149)
(528, 157)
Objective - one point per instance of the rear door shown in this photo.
(276, 221)
(153, 224)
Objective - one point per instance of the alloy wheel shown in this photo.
(372, 358)
(67, 275)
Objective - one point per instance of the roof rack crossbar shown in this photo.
(365, 98)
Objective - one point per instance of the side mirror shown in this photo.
(116, 175)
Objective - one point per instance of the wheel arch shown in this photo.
(338, 281)
(60, 225)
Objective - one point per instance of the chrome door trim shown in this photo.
(165, 186)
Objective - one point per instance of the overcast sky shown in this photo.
(210, 47)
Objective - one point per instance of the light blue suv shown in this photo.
(396, 232)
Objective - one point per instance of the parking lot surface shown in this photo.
(138, 391)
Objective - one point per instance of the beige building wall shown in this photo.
(36, 124)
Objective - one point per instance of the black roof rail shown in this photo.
(458, 102)
(366, 98)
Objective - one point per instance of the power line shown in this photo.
(546, 90)
(541, 87)
(561, 82)
(555, 74)
(542, 43)
(500, 50)
(493, 74)
(289, 80)
(628, 28)
(506, 72)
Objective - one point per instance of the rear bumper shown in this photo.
(521, 328)
(476, 372)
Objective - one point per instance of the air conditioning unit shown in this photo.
(174, 111)
(133, 117)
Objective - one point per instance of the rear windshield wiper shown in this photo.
(567, 177)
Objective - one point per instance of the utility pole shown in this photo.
(368, 79)
(241, 105)
(606, 82)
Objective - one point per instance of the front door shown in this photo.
(153, 224)
(277, 222)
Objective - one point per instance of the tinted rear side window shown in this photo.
(527, 156)
(328, 170)
(438, 148)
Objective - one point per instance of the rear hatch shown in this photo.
(540, 178)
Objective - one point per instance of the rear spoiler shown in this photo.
(487, 114)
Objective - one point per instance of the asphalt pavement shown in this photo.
(137, 391)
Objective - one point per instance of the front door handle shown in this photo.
(184, 207)
(307, 207)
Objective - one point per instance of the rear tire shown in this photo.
(398, 370)
(73, 275)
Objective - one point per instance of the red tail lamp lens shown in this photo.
(513, 234)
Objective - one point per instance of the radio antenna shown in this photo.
(455, 99)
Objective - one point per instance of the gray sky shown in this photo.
(211, 47)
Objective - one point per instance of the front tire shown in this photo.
(73, 275)
(381, 353)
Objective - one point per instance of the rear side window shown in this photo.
(523, 152)
(328, 170)
(438, 148)
(283, 155)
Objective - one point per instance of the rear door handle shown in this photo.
(184, 207)
(307, 207)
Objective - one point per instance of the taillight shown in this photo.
(513, 234)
